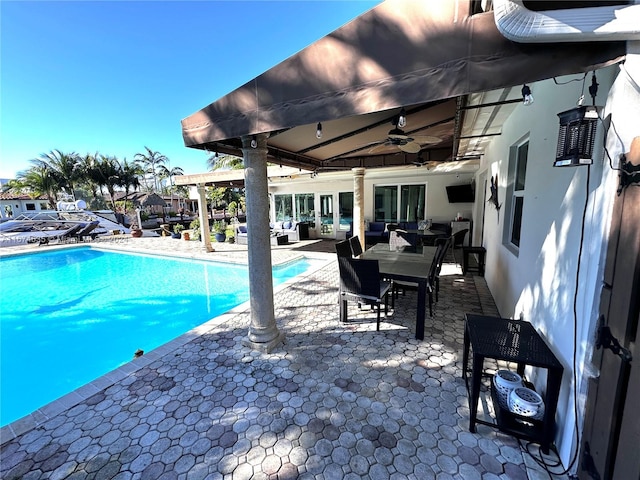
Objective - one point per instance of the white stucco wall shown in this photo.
(538, 283)
(18, 206)
(438, 207)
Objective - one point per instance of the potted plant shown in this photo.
(219, 229)
(135, 231)
(177, 230)
(194, 226)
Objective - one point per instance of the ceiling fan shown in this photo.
(407, 143)
(421, 162)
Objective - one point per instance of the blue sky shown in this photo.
(114, 77)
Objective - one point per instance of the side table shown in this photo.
(512, 341)
(279, 239)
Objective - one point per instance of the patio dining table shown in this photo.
(409, 267)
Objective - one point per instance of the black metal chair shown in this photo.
(356, 246)
(360, 282)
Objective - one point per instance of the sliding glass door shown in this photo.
(327, 220)
(400, 203)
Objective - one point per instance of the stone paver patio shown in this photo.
(337, 401)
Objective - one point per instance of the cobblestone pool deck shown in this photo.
(337, 401)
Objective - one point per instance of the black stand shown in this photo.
(512, 341)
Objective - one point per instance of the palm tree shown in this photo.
(66, 168)
(164, 172)
(225, 162)
(108, 175)
(88, 172)
(151, 161)
(39, 180)
(129, 177)
(13, 186)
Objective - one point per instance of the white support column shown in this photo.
(264, 335)
(205, 234)
(358, 204)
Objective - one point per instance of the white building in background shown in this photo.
(12, 205)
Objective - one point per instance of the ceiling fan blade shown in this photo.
(411, 147)
(377, 147)
(426, 139)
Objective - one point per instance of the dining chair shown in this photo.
(356, 246)
(360, 282)
(402, 240)
(440, 255)
(432, 278)
(458, 238)
(343, 249)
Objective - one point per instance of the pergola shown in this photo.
(442, 65)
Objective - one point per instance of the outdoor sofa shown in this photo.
(241, 235)
(291, 228)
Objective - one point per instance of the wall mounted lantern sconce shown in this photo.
(576, 136)
(254, 142)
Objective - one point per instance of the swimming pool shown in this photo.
(70, 316)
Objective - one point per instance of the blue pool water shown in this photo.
(68, 317)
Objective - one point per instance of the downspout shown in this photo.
(605, 23)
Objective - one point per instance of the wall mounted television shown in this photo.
(460, 193)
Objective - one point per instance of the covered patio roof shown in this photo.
(442, 61)
(234, 178)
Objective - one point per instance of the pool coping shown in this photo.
(45, 413)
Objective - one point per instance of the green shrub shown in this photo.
(219, 226)
(194, 226)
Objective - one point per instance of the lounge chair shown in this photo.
(86, 231)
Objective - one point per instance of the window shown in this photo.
(386, 203)
(515, 194)
(412, 203)
(345, 201)
(30, 206)
(305, 211)
(400, 203)
(284, 207)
